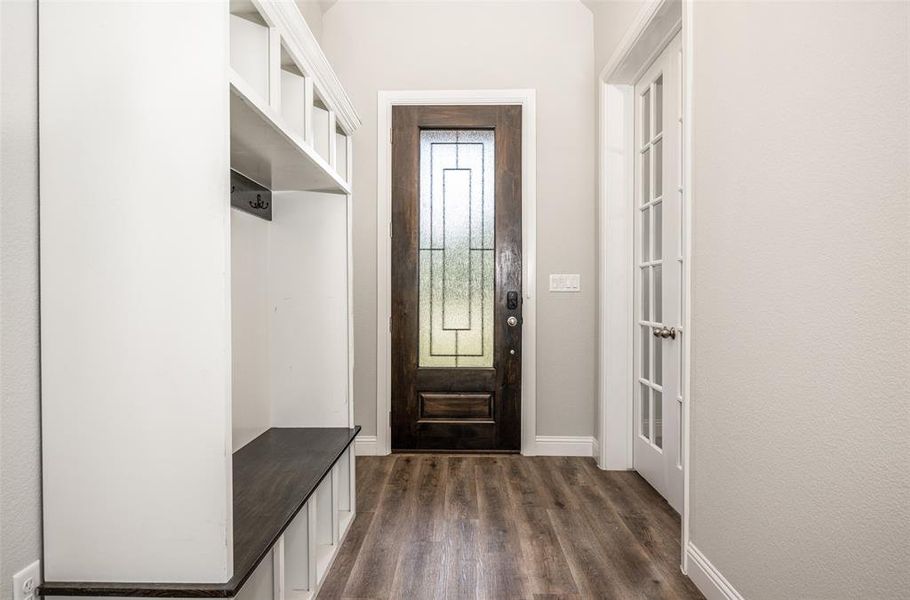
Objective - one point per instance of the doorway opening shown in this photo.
(644, 250)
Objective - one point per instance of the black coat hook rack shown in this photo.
(250, 197)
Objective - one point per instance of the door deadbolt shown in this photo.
(512, 300)
(512, 321)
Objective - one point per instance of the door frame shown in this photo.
(526, 98)
(656, 24)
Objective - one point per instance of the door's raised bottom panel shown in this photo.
(447, 406)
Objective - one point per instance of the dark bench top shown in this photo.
(274, 476)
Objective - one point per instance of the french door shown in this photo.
(659, 272)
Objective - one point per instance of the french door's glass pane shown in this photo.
(646, 117)
(658, 168)
(645, 411)
(645, 294)
(679, 437)
(680, 371)
(658, 231)
(646, 176)
(456, 235)
(658, 294)
(682, 285)
(645, 352)
(658, 362)
(646, 235)
(658, 105)
(658, 418)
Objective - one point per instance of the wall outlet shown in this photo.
(565, 282)
(26, 581)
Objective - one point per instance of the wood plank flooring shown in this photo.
(499, 527)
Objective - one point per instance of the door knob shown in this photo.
(512, 321)
(665, 332)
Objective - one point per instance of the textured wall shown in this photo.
(20, 457)
(612, 18)
(461, 45)
(312, 13)
(801, 347)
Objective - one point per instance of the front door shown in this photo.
(659, 272)
(456, 278)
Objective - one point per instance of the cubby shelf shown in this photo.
(267, 151)
(275, 476)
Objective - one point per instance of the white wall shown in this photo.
(135, 292)
(308, 280)
(801, 318)
(290, 370)
(20, 458)
(461, 45)
(250, 325)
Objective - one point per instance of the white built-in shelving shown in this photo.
(285, 125)
(300, 560)
(177, 330)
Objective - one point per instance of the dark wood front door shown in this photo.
(456, 278)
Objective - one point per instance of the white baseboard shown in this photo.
(565, 445)
(547, 445)
(365, 445)
(707, 578)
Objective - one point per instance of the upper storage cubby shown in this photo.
(250, 48)
(342, 153)
(322, 117)
(287, 106)
(296, 95)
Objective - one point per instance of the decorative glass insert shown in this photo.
(456, 241)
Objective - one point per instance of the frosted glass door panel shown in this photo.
(456, 248)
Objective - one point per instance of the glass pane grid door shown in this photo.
(456, 245)
(650, 262)
(658, 271)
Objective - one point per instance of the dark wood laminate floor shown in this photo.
(503, 527)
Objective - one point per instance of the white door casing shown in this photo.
(386, 100)
(659, 271)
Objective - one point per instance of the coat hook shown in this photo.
(259, 203)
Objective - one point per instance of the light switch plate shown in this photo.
(565, 282)
(26, 581)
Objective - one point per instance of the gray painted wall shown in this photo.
(20, 456)
(801, 318)
(463, 45)
(612, 18)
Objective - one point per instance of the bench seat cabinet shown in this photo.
(183, 340)
(294, 494)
